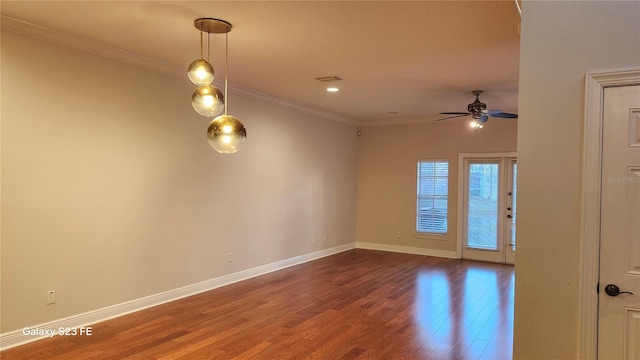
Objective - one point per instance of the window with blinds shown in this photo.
(433, 193)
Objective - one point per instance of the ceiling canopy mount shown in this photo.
(212, 26)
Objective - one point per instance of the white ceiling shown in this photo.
(416, 58)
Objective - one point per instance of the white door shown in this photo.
(619, 309)
(488, 207)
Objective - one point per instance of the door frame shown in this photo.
(461, 190)
(510, 256)
(596, 82)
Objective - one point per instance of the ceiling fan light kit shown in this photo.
(226, 133)
(479, 112)
(478, 123)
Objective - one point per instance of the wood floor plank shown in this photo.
(359, 304)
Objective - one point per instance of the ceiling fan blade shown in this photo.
(454, 116)
(455, 113)
(505, 115)
(491, 111)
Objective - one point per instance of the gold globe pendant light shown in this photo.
(200, 71)
(226, 134)
(207, 100)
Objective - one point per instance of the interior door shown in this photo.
(488, 207)
(619, 283)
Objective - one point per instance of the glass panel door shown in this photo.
(488, 208)
(482, 209)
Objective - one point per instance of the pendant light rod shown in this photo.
(226, 71)
(201, 46)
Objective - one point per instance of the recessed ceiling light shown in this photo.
(333, 89)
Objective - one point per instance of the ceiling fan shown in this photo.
(479, 112)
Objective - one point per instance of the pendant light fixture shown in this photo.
(226, 134)
(200, 71)
(207, 100)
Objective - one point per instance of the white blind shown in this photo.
(433, 193)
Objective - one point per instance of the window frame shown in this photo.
(420, 233)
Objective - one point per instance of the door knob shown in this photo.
(614, 290)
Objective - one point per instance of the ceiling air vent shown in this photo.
(328, 78)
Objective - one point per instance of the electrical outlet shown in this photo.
(313, 239)
(51, 297)
(398, 234)
(324, 238)
(230, 257)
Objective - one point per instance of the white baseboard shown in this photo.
(408, 250)
(17, 337)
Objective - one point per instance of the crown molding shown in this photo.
(404, 121)
(91, 47)
(291, 104)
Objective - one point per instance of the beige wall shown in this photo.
(111, 191)
(387, 160)
(561, 41)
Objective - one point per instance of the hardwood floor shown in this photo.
(360, 304)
